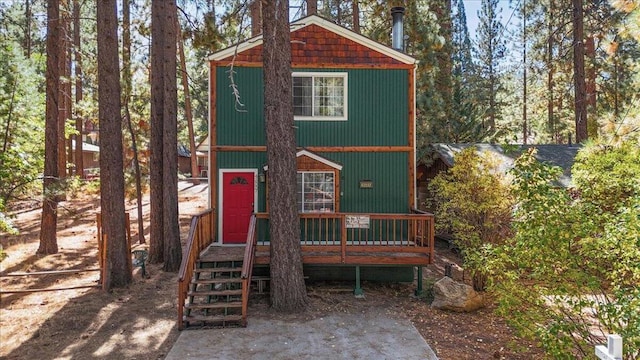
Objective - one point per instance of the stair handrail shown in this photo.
(247, 266)
(200, 236)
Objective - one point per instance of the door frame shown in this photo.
(221, 172)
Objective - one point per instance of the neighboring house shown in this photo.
(442, 159)
(90, 159)
(184, 160)
(202, 152)
(354, 112)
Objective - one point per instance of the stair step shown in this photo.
(217, 305)
(220, 260)
(217, 281)
(215, 293)
(218, 269)
(217, 318)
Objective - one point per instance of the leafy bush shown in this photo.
(571, 272)
(473, 203)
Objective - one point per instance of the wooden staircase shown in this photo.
(214, 281)
(215, 294)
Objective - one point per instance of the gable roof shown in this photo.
(315, 157)
(309, 22)
(562, 156)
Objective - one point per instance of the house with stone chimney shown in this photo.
(354, 105)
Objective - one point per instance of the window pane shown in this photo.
(302, 95)
(316, 192)
(328, 96)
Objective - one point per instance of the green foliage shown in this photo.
(608, 177)
(571, 272)
(472, 203)
(21, 127)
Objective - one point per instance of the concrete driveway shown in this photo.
(348, 336)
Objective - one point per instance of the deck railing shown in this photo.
(358, 232)
(201, 233)
(247, 266)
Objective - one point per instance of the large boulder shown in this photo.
(455, 296)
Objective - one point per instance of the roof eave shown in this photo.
(326, 24)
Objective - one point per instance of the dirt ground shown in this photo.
(140, 322)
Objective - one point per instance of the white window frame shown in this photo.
(314, 75)
(302, 193)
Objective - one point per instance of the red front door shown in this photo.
(238, 199)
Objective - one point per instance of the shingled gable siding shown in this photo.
(316, 45)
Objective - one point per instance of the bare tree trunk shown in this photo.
(525, 129)
(256, 17)
(580, 102)
(356, 16)
(288, 291)
(48, 235)
(126, 96)
(164, 113)
(27, 31)
(7, 129)
(590, 87)
(63, 96)
(312, 7)
(551, 69)
(172, 245)
(78, 75)
(156, 241)
(118, 261)
(187, 108)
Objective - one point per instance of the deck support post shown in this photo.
(358, 289)
(419, 289)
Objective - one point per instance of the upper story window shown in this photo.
(320, 96)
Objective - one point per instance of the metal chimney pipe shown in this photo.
(397, 33)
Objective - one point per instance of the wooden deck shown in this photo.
(325, 239)
(319, 256)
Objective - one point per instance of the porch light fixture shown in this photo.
(261, 177)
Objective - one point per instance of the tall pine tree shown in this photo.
(490, 54)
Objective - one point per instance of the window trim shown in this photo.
(313, 75)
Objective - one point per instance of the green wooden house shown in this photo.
(354, 112)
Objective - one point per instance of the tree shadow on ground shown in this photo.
(70, 259)
(138, 322)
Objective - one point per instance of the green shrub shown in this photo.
(571, 272)
(472, 202)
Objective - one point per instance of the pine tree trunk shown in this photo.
(118, 260)
(256, 17)
(525, 128)
(312, 7)
(551, 69)
(27, 31)
(187, 109)
(156, 241)
(63, 96)
(79, 163)
(126, 76)
(356, 16)
(48, 238)
(288, 291)
(580, 101)
(171, 227)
